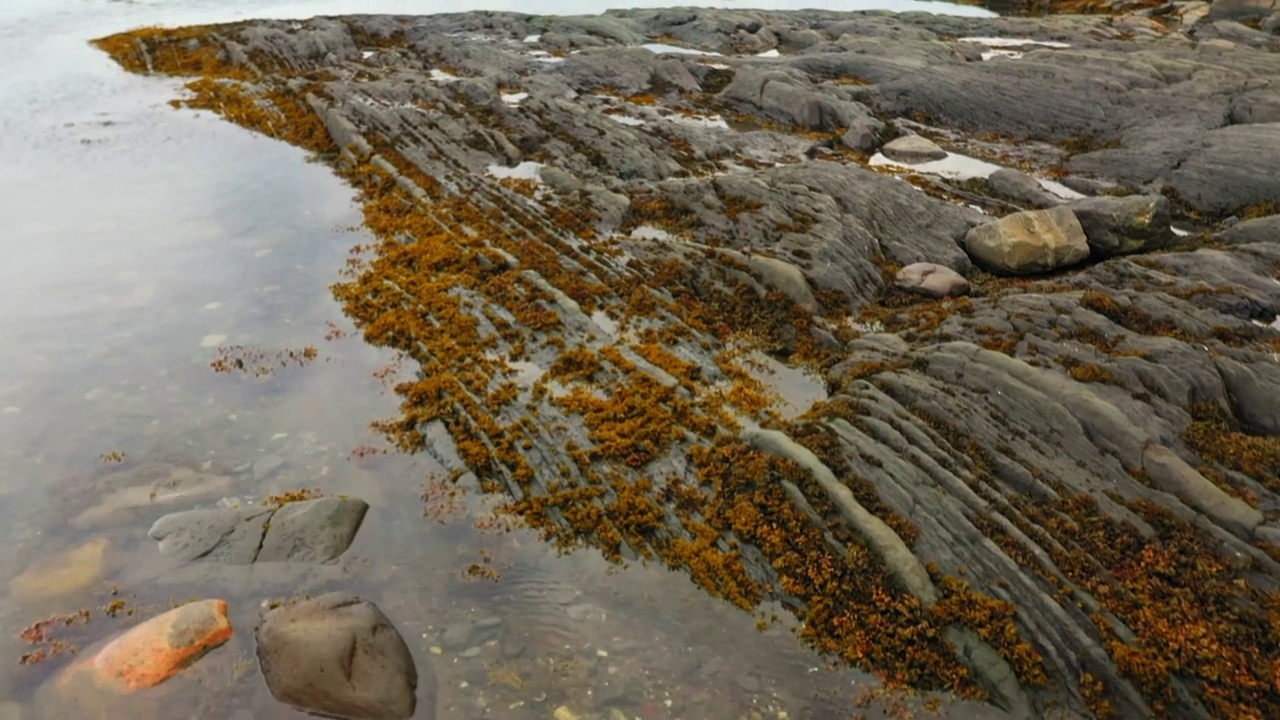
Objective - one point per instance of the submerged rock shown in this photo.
(339, 655)
(1029, 242)
(61, 575)
(308, 531)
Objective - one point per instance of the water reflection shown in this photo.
(139, 239)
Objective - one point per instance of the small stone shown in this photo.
(456, 636)
(564, 713)
(148, 654)
(489, 622)
(912, 149)
(339, 655)
(931, 280)
(470, 652)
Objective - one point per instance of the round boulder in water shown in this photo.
(338, 655)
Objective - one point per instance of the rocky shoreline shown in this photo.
(1046, 472)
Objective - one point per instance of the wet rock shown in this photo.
(912, 149)
(1258, 230)
(1172, 474)
(310, 531)
(152, 652)
(1123, 225)
(1029, 242)
(1023, 188)
(1242, 9)
(931, 280)
(339, 655)
(61, 575)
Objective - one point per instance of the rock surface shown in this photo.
(308, 531)
(1016, 489)
(339, 655)
(1123, 225)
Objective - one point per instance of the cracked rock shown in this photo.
(311, 531)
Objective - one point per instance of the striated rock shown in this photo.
(1029, 242)
(1123, 225)
(931, 280)
(309, 531)
(912, 149)
(339, 655)
(1242, 9)
(1019, 488)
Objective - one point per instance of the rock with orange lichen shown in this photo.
(137, 660)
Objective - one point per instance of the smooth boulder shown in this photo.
(1124, 225)
(1019, 186)
(1258, 230)
(912, 149)
(1029, 242)
(339, 655)
(931, 280)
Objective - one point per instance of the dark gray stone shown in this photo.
(1023, 188)
(1123, 225)
(1259, 230)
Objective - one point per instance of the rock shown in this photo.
(1249, 391)
(309, 531)
(1123, 225)
(1258, 230)
(1242, 9)
(1029, 242)
(62, 575)
(1021, 187)
(912, 150)
(863, 134)
(1271, 24)
(266, 466)
(931, 280)
(339, 655)
(150, 485)
(1172, 474)
(152, 652)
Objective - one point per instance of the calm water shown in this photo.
(137, 241)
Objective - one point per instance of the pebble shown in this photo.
(564, 713)
(473, 651)
(456, 636)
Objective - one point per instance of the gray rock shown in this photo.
(931, 280)
(863, 134)
(1029, 242)
(1122, 225)
(1258, 230)
(912, 149)
(1172, 474)
(1242, 9)
(310, 531)
(1250, 390)
(339, 655)
(313, 531)
(1023, 188)
(266, 466)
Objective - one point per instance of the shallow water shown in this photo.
(139, 241)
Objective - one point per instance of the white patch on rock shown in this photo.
(769, 53)
(514, 98)
(660, 49)
(527, 170)
(441, 76)
(998, 42)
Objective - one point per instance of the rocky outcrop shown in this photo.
(1010, 494)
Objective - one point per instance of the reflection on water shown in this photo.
(139, 241)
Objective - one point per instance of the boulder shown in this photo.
(1258, 230)
(314, 531)
(339, 655)
(1123, 225)
(931, 280)
(912, 149)
(1029, 242)
(1021, 187)
(1242, 9)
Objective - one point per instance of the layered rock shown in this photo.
(1050, 494)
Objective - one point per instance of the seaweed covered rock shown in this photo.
(1055, 495)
